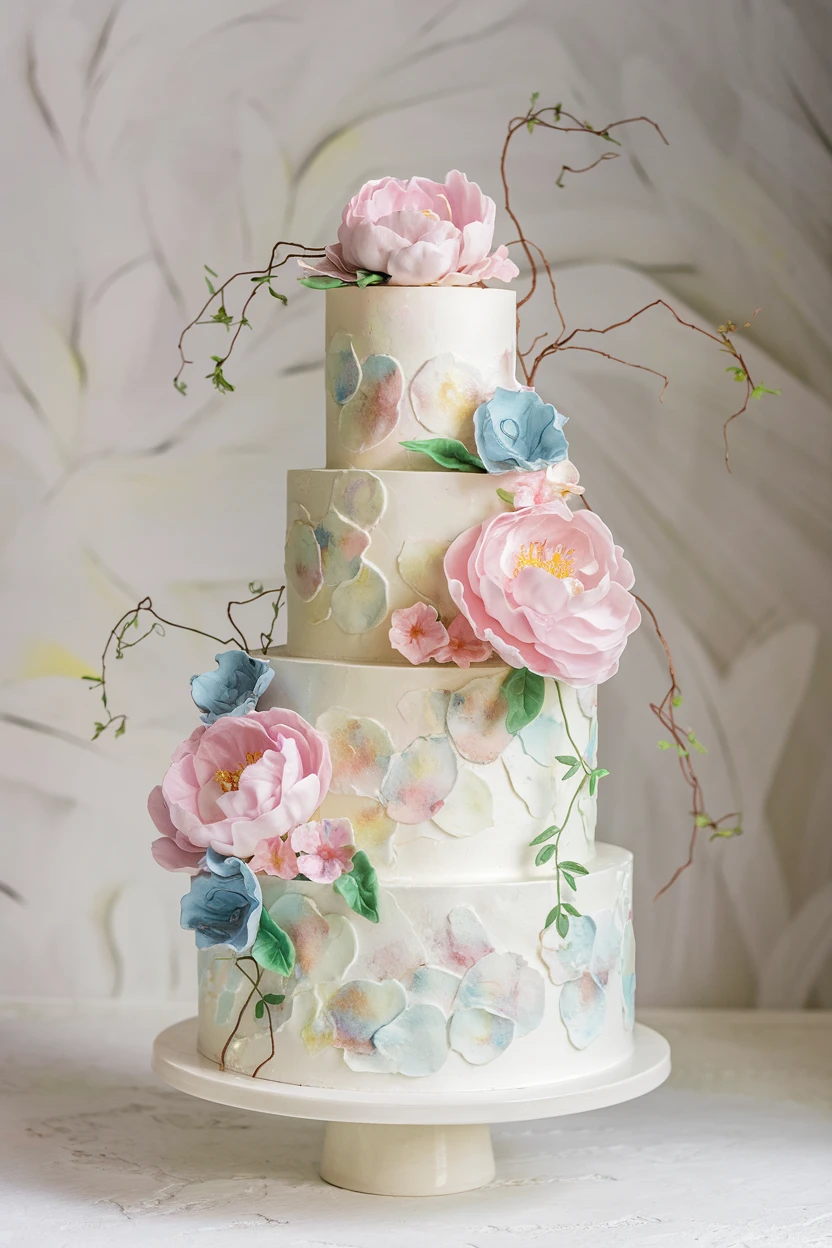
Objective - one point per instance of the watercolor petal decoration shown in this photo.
(419, 779)
(341, 544)
(532, 782)
(541, 737)
(479, 1036)
(421, 565)
(359, 497)
(583, 1009)
(433, 986)
(504, 984)
(445, 393)
(360, 604)
(303, 560)
(391, 948)
(477, 719)
(588, 700)
(372, 827)
(359, 1008)
(468, 808)
(343, 371)
(628, 975)
(606, 948)
(425, 710)
(460, 941)
(360, 749)
(568, 957)
(416, 1042)
(324, 946)
(372, 413)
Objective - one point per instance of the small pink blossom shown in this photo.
(530, 489)
(463, 646)
(275, 856)
(324, 848)
(417, 633)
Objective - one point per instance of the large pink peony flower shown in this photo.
(242, 780)
(419, 232)
(549, 589)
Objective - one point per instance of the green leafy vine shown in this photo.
(262, 1008)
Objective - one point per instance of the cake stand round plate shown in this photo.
(415, 1144)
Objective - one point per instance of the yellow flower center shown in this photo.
(560, 564)
(229, 781)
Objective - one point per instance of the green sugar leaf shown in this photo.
(272, 949)
(551, 916)
(574, 867)
(570, 909)
(570, 880)
(506, 497)
(663, 745)
(259, 1010)
(360, 888)
(567, 759)
(322, 282)
(703, 821)
(562, 923)
(545, 835)
(208, 269)
(275, 294)
(544, 855)
(448, 453)
(524, 692)
(364, 277)
(274, 998)
(567, 775)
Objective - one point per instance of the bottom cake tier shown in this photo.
(457, 986)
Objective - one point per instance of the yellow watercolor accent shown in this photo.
(50, 658)
(229, 781)
(561, 564)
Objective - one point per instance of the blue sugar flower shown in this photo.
(517, 431)
(234, 688)
(224, 904)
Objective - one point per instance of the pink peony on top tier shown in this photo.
(420, 233)
(549, 589)
(242, 780)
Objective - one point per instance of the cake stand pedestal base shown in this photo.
(408, 1144)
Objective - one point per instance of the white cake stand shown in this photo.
(415, 1145)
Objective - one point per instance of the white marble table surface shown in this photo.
(735, 1150)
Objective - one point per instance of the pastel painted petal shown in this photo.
(424, 710)
(359, 497)
(478, 1036)
(372, 827)
(591, 752)
(607, 947)
(583, 1008)
(372, 413)
(391, 948)
(419, 779)
(342, 544)
(416, 1043)
(432, 985)
(359, 1008)
(343, 372)
(588, 699)
(460, 941)
(568, 957)
(477, 719)
(360, 750)
(303, 560)
(360, 604)
(324, 946)
(531, 781)
(628, 976)
(540, 738)
(468, 808)
(504, 984)
(421, 565)
(445, 393)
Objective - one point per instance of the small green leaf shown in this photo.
(208, 269)
(448, 453)
(274, 998)
(360, 888)
(322, 282)
(181, 386)
(222, 317)
(506, 497)
(595, 776)
(568, 760)
(259, 1010)
(545, 835)
(122, 728)
(570, 880)
(570, 909)
(99, 728)
(210, 285)
(663, 745)
(364, 277)
(532, 102)
(562, 923)
(524, 692)
(574, 867)
(567, 775)
(703, 821)
(697, 745)
(759, 391)
(275, 294)
(551, 916)
(681, 751)
(544, 854)
(273, 949)
(677, 701)
(95, 679)
(719, 833)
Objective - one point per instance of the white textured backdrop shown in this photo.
(145, 138)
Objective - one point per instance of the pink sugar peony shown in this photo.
(241, 780)
(416, 632)
(549, 589)
(420, 233)
(463, 647)
(275, 857)
(556, 481)
(324, 849)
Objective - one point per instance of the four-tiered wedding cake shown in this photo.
(395, 874)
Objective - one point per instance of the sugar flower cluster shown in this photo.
(418, 633)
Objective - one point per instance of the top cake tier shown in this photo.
(411, 362)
